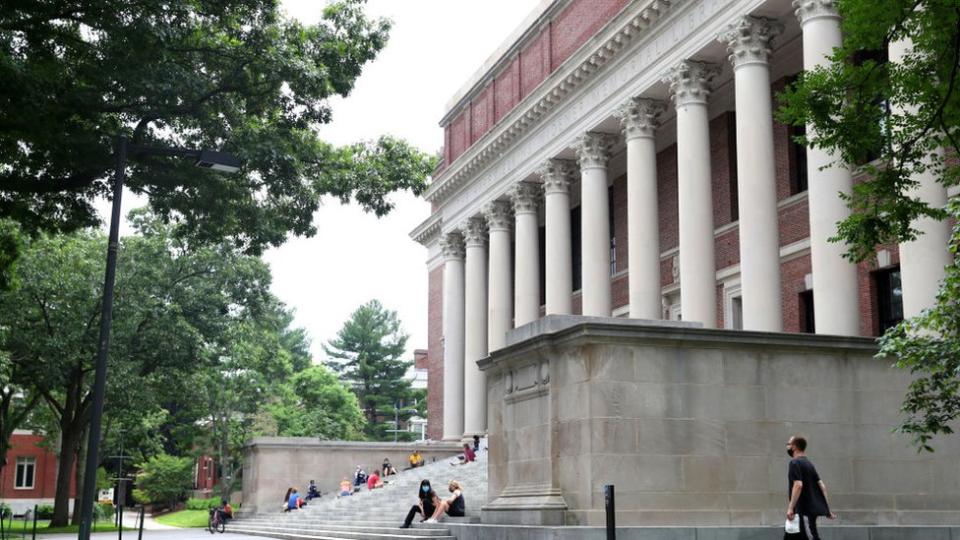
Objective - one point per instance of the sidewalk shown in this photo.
(131, 520)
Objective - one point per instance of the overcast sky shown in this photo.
(434, 47)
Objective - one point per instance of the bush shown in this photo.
(5, 510)
(140, 496)
(103, 511)
(164, 478)
(45, 511)
(202, 504)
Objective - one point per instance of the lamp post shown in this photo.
(209, 159)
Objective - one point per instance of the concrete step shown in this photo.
(341, 529)
(398, 534)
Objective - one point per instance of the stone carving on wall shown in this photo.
(675, 268)
(690, 81)
(527, 381)
(593, 149)
(452, 246)
(811, 9)
(499, 215)
(475, 232)
(557, 174)
(525, 196)
(640, 117)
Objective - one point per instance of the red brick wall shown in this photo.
(435, 353)
(535, 63)
(792, 280)
(578, 23)
(481, 114)
(45, 477)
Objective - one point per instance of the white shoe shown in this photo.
(431, 520)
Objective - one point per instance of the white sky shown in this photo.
(434, 47)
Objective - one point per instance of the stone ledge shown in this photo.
(507, 532)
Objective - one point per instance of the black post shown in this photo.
(120, 521)
(611, 507)
(100, 379)
(34, 535)
(140, 534)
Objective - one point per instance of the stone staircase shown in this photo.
(376, 514)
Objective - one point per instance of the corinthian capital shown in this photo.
(690, 81)
(750, 39)
(593, 149)
(557, 175)
(525, 197)
(451, 244)
(640, 117)
(815, 9)
(499, 216)
(475, 232)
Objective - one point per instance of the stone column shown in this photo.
(475, 340)
(923, 261)
(526, 292)
(593, 152)
(749, 42)
(639, 118)
(500, 302)
(836, 296)
(453, 329)
(557, 174)
(690, 85)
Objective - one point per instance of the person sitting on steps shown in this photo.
(467, 456)
(373, 481)
(427, 503)
(453, 507)
(345, 488)
(387, 468)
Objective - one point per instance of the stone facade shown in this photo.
(273, 464)
(690, 425)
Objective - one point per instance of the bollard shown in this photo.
(611, 507)
(34, 535)
(140, 534)
(120, 522)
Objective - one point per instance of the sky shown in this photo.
(435, 47)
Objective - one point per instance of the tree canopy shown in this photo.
(897, 120)
(232, 75)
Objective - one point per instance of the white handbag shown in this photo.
(792, 525)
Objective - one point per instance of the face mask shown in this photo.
(425, 489)
(790, 452)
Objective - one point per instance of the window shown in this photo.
(889, 298)
(26, 473)
(807, 323)
(880, 57)
(576, 253)
(798, 160)
(542, 244)
(613, 237)
(736, 313)
(732, 159)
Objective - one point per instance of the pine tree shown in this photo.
(367, 354)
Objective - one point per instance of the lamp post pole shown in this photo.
(100, 378)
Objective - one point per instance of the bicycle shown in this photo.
(216, 523)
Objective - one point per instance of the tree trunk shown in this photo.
(226, 464)
(69, 444)
(78, 477)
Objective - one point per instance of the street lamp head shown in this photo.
(218, 161)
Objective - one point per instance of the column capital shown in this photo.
(690, 81)
(557, 174)
(475, 232)
(640, 117)
(499, 215)
(749, 40)
(451, 244)
(593, 149)
(525, 197)
(807, 10)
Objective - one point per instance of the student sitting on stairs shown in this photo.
(453, 507)
(427, 503)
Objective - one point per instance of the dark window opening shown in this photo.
(807, 322)
(732, 160)
(889, 298)
(880, 57)
(798, 160)
(543, 265)
(576, 250)
(613, 237)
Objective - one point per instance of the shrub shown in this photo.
(5, 510)
(164, 478)
(45, 511)
(103, 511)
(140, 496)
(202, 504)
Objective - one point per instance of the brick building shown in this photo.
(621, 159)
(30, 477)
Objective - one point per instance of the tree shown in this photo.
(164, 478)
(170, 302)
(317, 404)
(897, 116)
(236, 75)
(367, 354)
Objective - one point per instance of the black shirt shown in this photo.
(458, 507)
(811, 501)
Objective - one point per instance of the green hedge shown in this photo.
(45, 511)
(202, 504)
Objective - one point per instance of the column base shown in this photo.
(526, 505)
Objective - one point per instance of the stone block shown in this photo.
(643, 472)
(680, 437)
(809, 404)
(891, 476)
(613, 436)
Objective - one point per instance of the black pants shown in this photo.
(414, 510)
(808, 528)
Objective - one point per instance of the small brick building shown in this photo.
(30, 476)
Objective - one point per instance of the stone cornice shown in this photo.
(499, 215)
(557, 174)
(690, 81)
(640, 117)
(452, 246)
(750, 40)
(475, 232)
(593, 149)
(427, 232)
(525, 197)
(807, 10)
(576, 71)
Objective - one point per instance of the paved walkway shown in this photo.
(130, 519)
(165, 534)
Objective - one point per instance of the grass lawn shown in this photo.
(185, 518)
(43, 527)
